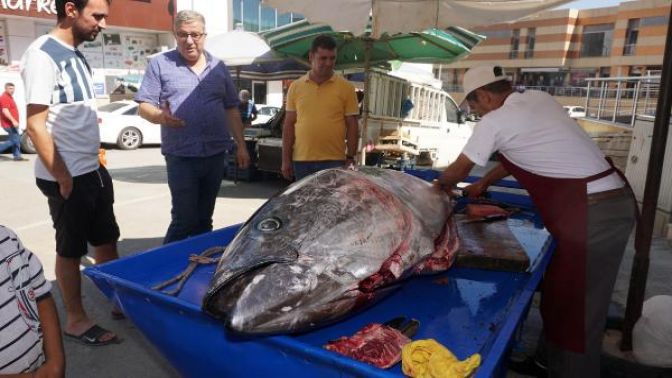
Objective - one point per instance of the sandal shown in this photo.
(91, 337)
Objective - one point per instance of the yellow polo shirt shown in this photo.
(320, 117)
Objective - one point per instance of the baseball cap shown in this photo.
(479, 76)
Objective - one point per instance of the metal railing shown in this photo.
(617, 100)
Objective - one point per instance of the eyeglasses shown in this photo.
(194, 36)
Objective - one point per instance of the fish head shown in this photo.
(266, 281)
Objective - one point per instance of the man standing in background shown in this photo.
(321, 115)
(9, 117)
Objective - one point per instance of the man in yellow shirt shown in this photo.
(321, 115)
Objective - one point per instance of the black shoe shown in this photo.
(529, 366)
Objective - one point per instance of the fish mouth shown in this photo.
(228, 283)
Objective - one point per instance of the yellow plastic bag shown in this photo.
(429, 359)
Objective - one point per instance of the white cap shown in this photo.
(479, 76)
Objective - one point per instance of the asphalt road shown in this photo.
(142, 208)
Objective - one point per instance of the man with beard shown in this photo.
(62, 124)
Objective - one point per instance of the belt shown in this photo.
(594, 198)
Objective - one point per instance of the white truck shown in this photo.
(434, 123)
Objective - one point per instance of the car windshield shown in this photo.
(109, 108)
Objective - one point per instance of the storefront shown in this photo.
(136, 29)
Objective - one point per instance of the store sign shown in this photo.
(25, 6)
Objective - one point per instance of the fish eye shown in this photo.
(269, 225)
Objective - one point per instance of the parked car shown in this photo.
(264, 113)
(575, 111)
(121, 125)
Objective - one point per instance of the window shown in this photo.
(237, 13)
(451, 111)
(267, 19)
(631, 34)
(596, 40)
(112, 106)
(654, 21)
(132, 111)
(259, 92)
(284, 18)
(531, 37)
(251, 15)
(515, 42)
(496, 33)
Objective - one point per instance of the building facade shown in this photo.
(136, 29)
(564, 47)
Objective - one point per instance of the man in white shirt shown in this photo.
(62, 124)
(583, 200)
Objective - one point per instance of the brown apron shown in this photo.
(563, 205)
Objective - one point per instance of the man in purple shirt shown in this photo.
(191, 94)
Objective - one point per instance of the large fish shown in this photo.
(327, 246)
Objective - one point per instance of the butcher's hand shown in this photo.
(65, 186)
(476, 189)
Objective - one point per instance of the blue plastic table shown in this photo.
(473, 311)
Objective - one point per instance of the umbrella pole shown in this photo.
(365, 107)
(643, 234)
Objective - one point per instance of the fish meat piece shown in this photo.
(375, 344)
(328, 245)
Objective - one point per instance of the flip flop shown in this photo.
(91, 337)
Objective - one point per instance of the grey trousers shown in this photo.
(610, 223)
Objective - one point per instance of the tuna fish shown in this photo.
(327, 246)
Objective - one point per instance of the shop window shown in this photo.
(596, 40)
(531, 38)
(631, 34)
(515, 42)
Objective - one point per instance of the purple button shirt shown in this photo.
(200, 100)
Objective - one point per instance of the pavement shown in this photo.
(142, 208)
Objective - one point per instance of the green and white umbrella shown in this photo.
(429, 46)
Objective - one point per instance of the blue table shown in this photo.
(471, 311)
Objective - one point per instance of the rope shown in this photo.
(194, 261)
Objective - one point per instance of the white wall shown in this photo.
(274, 93)
(216, 13)
(20, 34)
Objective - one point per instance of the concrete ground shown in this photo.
(143, 211)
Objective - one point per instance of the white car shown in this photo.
(264, 113)
(121, 125)
(575, 111)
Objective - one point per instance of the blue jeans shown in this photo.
(307, 168)
(14, 141)
(194, 183)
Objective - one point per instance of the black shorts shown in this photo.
(86, 216)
